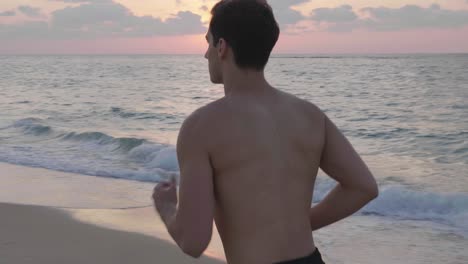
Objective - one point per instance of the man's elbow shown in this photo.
(195, 243)
(368, 191)
(194, 249)
(194, 253)
(372, 191)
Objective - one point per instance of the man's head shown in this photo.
(247, 28)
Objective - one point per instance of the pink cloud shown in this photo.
(425, 30)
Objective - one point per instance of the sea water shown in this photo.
(407, 115)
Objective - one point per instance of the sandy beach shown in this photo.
(56, 217)
(34, 234)
(38, 225)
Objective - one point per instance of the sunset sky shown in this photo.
(178, 26)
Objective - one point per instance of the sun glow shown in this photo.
(22, 33)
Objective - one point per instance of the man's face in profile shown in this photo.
(211, 55)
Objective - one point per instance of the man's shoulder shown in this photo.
(199, 118)
(207, 111)
(303, 104)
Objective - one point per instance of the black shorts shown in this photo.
(314, 258)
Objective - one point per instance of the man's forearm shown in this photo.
(177, 233)
(168, 216)
(338, 204)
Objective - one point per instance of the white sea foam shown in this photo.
(400, 202)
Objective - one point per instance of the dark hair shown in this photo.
(249, 28)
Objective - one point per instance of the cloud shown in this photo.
(103, 19)
(35, 29)
(30, 11)
(7, 13)
(413, 17)
(283, 12)
(344, 19)
(343, 13)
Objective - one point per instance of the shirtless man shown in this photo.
(249, 160)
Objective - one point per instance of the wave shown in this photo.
(91, 153)
(100, 154)
(156, 156)
(120, 112)
(22, 102)
(409, 204)
(123, 144)
(127, 114)
(37, 127)
(460, 106)
(403, 203)
(33, 126)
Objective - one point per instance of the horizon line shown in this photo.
(272, 55)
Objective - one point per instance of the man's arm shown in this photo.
(356, 184)
(191, 223)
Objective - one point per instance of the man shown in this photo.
(249, 160)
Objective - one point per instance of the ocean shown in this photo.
(119, 117)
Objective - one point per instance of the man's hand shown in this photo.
(165, 199)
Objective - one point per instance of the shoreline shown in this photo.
(48, 216)
(82, 205)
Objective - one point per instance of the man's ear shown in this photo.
(222, 48)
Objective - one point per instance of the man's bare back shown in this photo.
(265, 151)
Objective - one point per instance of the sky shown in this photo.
(179, 26)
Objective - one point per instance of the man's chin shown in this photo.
(216, 81)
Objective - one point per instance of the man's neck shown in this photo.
(244, 82)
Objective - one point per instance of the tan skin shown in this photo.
(249, 161)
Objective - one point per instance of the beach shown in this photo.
(57, 217)
(40, 229)
(84, 140)
(34, 234)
